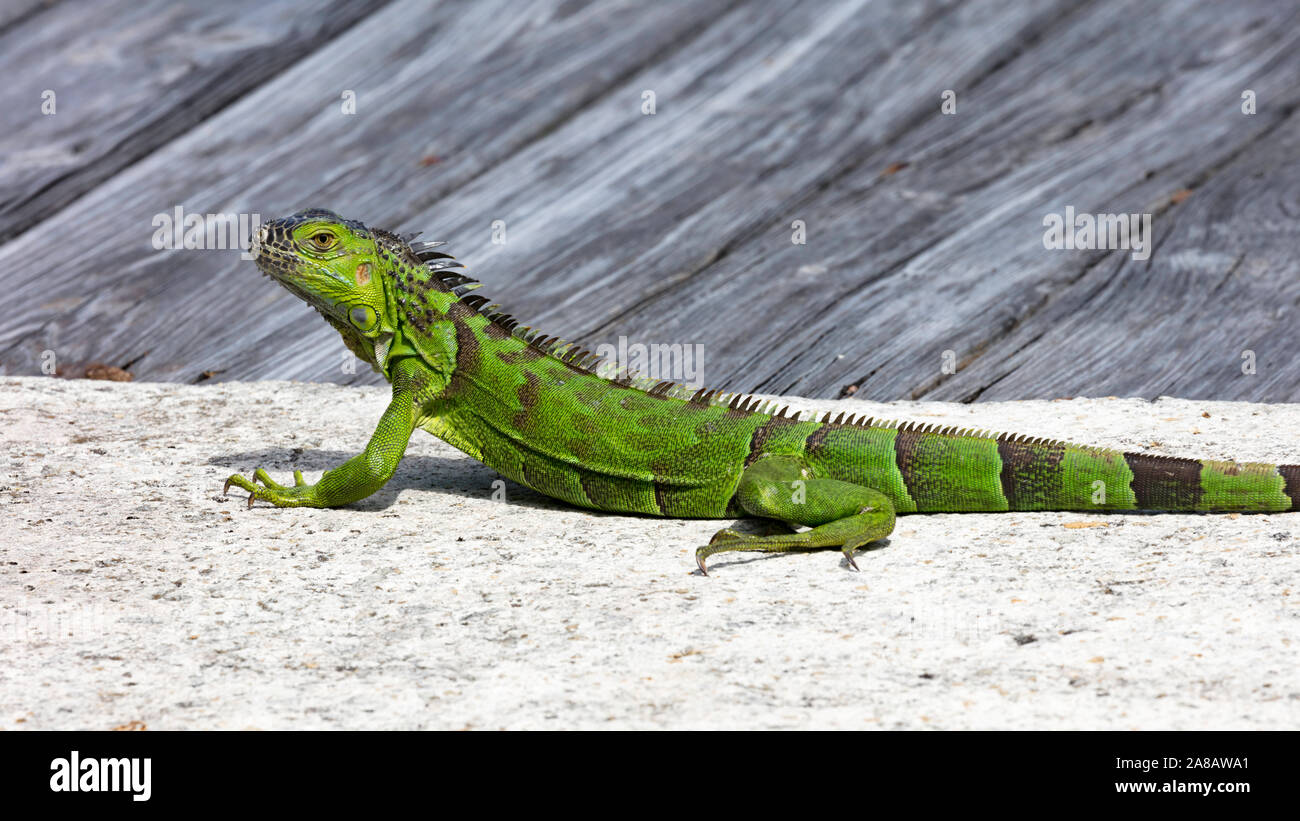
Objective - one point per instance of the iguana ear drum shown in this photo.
(362, 316)
(363, 273)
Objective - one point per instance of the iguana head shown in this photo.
(383, 294)
(329, 262)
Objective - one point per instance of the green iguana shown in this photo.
(533, 408)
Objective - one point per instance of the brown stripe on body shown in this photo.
(554, 480)
(679, 500)
(529, 393)
(661, 496)
(762, 433)
(536, 477)
(459, 312)
(1291, 476)
(614, 493)
(596, 489)
(1030, 472)
(466, 346)
(495, 331)
(905, 441)
(814, 441)
(522, 356)
(1164, 482)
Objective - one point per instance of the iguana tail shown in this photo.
(1094, 478)
(852, 478)
(949, 470)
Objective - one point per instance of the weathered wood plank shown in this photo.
(613, 204)
(617, 211)
(1212, 314)
(127, 76)
(947, 253)
(14, 12)
(442, 93)
(676, 227)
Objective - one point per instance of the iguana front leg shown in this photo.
(841, 514)
(361, 475)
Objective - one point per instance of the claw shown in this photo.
(699, 562)
(849, 550)
(271, 491)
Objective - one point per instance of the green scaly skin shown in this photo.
(534, 409)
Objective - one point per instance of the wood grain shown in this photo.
(442, 93)
(924, 230)
(947, 253)
(1221, 284)
(128, 76)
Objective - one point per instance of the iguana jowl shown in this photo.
(533, 408)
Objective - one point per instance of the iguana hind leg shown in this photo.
(841, 514)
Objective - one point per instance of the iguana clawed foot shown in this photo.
(849, 535)
(299, 495)
(772, 527)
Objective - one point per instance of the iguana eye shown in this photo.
(322, 240)
(362, 316)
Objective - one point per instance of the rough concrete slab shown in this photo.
(132, 591)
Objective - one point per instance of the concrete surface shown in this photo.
(133, 594)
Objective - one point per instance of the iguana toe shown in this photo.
(277, 494)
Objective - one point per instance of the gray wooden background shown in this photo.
(924, 229)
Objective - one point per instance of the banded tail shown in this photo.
(1142, 481)
(932, 469)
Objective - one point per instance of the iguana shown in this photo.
(535, 409)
